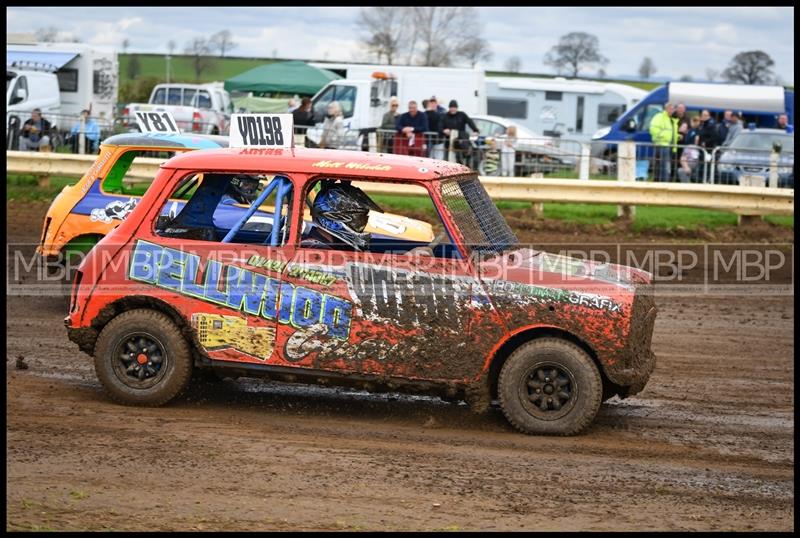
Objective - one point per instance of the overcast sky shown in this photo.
(681, 41)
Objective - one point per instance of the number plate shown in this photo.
(157, 122)
(753, 181)
(261, 130)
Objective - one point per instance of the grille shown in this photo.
(483, 227)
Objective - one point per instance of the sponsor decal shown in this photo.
(293, 270)
(239, 289)
(352, 165)
(117, 209)
(217, 332)
(552, 295)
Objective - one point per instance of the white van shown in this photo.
(29, 87)
(365, 91)
(573, 109)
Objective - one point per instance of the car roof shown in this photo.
(506, 122)
(763, 130)
(166, 140)
(312, 161)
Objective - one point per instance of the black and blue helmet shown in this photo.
(343, 211)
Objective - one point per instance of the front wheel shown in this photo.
(550, 386)
(141, 358)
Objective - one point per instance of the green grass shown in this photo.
(182, 70)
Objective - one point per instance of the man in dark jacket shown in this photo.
(453, 121)
(435, 141)
(411, 126)
(35, 133)
(709, 136)
(303, 115)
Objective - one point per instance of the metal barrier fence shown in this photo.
(68, 133)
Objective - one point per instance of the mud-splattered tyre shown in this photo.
(550, 386)
(141, 358)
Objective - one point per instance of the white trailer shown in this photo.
(87, 75)
(365, 90)
(573, 109)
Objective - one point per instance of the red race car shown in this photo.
(471, 315)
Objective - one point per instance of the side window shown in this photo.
(608, 114)
(117, 180)
(346, 95)
(188, 95)
(387, 228)
(174, 96)
(160, 97)
(321, 105)
(553, 96)
(203, 100)
(229, 208)
(483, 126)
(21, 84)
(647, 115)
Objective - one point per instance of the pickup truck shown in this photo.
(197, 108)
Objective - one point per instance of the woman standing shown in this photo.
(332, 127)
(507, 152)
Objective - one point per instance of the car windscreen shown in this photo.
(480, 222)
(763, 141)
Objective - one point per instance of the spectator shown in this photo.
(457, 121)
(708, 132)
(683, 128)
(332, 127)
(293, 105)
(664, 132)
(436, 142)
(691, 138)
(90, 130)
(411, 126)
(439, 108)
(388, 124)
(303, 115)
(35, 133)
(783, 123)
(425, 104)
(507, 151)
(724, 126)
(734, 128)
(688, 164)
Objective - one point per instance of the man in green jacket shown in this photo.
(664, 132)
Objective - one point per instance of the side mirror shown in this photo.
(630, 126)
(777, 147)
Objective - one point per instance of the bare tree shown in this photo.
(685, 78)
(751, 67)
(575, 51)
(513, 64)
(223, 42)
(200, 52)
(475, 50)
(712, 74)
(442, 36)
(648, 68)
(47, 35)
(171, 46)
(385, 30)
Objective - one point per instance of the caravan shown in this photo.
(558, 107)
(86, 78)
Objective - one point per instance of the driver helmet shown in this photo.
(343, 211)
(243, 189)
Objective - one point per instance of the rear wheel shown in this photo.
(141, 358)
(550, 386)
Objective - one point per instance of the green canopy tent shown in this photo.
(293, 77)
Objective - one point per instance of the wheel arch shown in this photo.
(525, 335)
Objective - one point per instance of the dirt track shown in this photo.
(707, 445)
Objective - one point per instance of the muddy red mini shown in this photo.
(471, 315)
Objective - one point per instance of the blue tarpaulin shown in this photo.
(55, 59)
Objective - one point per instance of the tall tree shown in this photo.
(134, 67)
(47, 35)
(575, 51)
(685, 78)
(223, 42)
(751, 67)
(385, 30)
(475, 50)
(513, 64)
(648, 68)
(711, 74)
(200, 52)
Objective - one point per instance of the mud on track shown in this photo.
(707, 445)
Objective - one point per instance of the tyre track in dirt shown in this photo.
(708, 445)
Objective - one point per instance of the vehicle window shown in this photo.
(119, 181)
(218, 205)
(477, 218)
(174, 96)
(203, 100)
(391, 227)
(763, 141)
(220, 100)
(646, 115)
(508, 108)
(22, 82)
(553, 96)
(160, 97)
(346, 95)
(188, 95)
(67, 79)
(322, 102)
(608, 114)
(489, 128)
